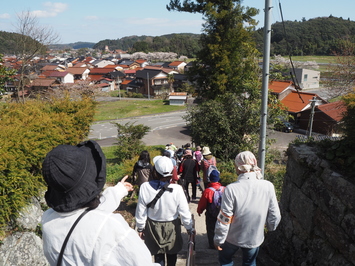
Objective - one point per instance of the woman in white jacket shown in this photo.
(159, 217)
(75, 176)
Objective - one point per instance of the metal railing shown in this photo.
(190, 261)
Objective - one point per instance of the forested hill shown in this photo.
(186, 44)
(318, 36)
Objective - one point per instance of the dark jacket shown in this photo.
(142, 172)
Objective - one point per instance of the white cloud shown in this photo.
(50, 10)
(91, 17)
(4, 16)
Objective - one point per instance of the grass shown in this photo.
(131, 108)
(317, 58)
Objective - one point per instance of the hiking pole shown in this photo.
(190, 261)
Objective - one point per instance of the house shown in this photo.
(281, 88)
(326, 118)
(62, 77)
(307, 79)
(152, 81)
(80, 73)
(178, 66)
(297, 102)
(177, 98)
(41, 85)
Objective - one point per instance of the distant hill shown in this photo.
(181, 43)
(75, 45)
(317, 36)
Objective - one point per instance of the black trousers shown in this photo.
(210, 226)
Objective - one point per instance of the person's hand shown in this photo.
(127, 185)
(141, 235)
(218, 247)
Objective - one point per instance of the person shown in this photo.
(247, 205)
(75, 177)
(174, 177)
(142, 169)
(173, 147)
(204, 203)
(198, 154)
(159, 218)
(208, 159)
(188, 169)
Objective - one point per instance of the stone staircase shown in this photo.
(203, 255)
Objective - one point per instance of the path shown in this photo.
(204, 255)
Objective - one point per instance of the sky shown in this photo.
(93, 21)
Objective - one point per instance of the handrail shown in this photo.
(190, 261)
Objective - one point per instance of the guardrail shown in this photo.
(190, 261)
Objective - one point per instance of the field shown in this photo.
(131, 108)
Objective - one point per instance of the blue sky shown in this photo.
(92, 21)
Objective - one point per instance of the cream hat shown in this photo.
(206, 151)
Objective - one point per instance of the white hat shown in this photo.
(163, 165)
(206, 151)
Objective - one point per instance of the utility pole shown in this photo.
(265, 86)
(148, 85)
(313, 105)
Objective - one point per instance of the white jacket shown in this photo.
(168, 207)
(100, 238)
(252, 203)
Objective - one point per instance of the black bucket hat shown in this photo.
(75, 175)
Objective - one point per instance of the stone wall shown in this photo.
(24, 247)
(318, 215)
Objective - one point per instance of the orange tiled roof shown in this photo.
(279, 86)
(95, 77)
(49, 67)
(126, 81)
(43, 82)
(334, 110)
(98, 70)
(141, 61)
(76, 70)
(294, 103)
(176, 63)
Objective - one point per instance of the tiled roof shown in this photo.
(43, 82)
(176, 63)
(279, 86)
(99, 70)
(49, 67)
(334, 110)
(126, 81)
(130, 71)
(55, 74)
(95, 77)
(294, 103)
(76, 70)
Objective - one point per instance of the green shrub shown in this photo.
(27, 133)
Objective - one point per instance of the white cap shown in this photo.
(163, 165)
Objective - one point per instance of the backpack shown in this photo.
(214, 207)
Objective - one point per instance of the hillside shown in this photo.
(181, 43)
(317, 36)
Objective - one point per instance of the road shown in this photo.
(169, 127)
(165, 128)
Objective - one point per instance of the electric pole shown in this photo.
(265, 86)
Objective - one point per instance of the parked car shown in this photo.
(284, 126)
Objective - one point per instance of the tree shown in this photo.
(226, 73)
(341, 74)
(129, 140)
(171, 82)
(227, 61)
(31, 41)
(5, 75)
